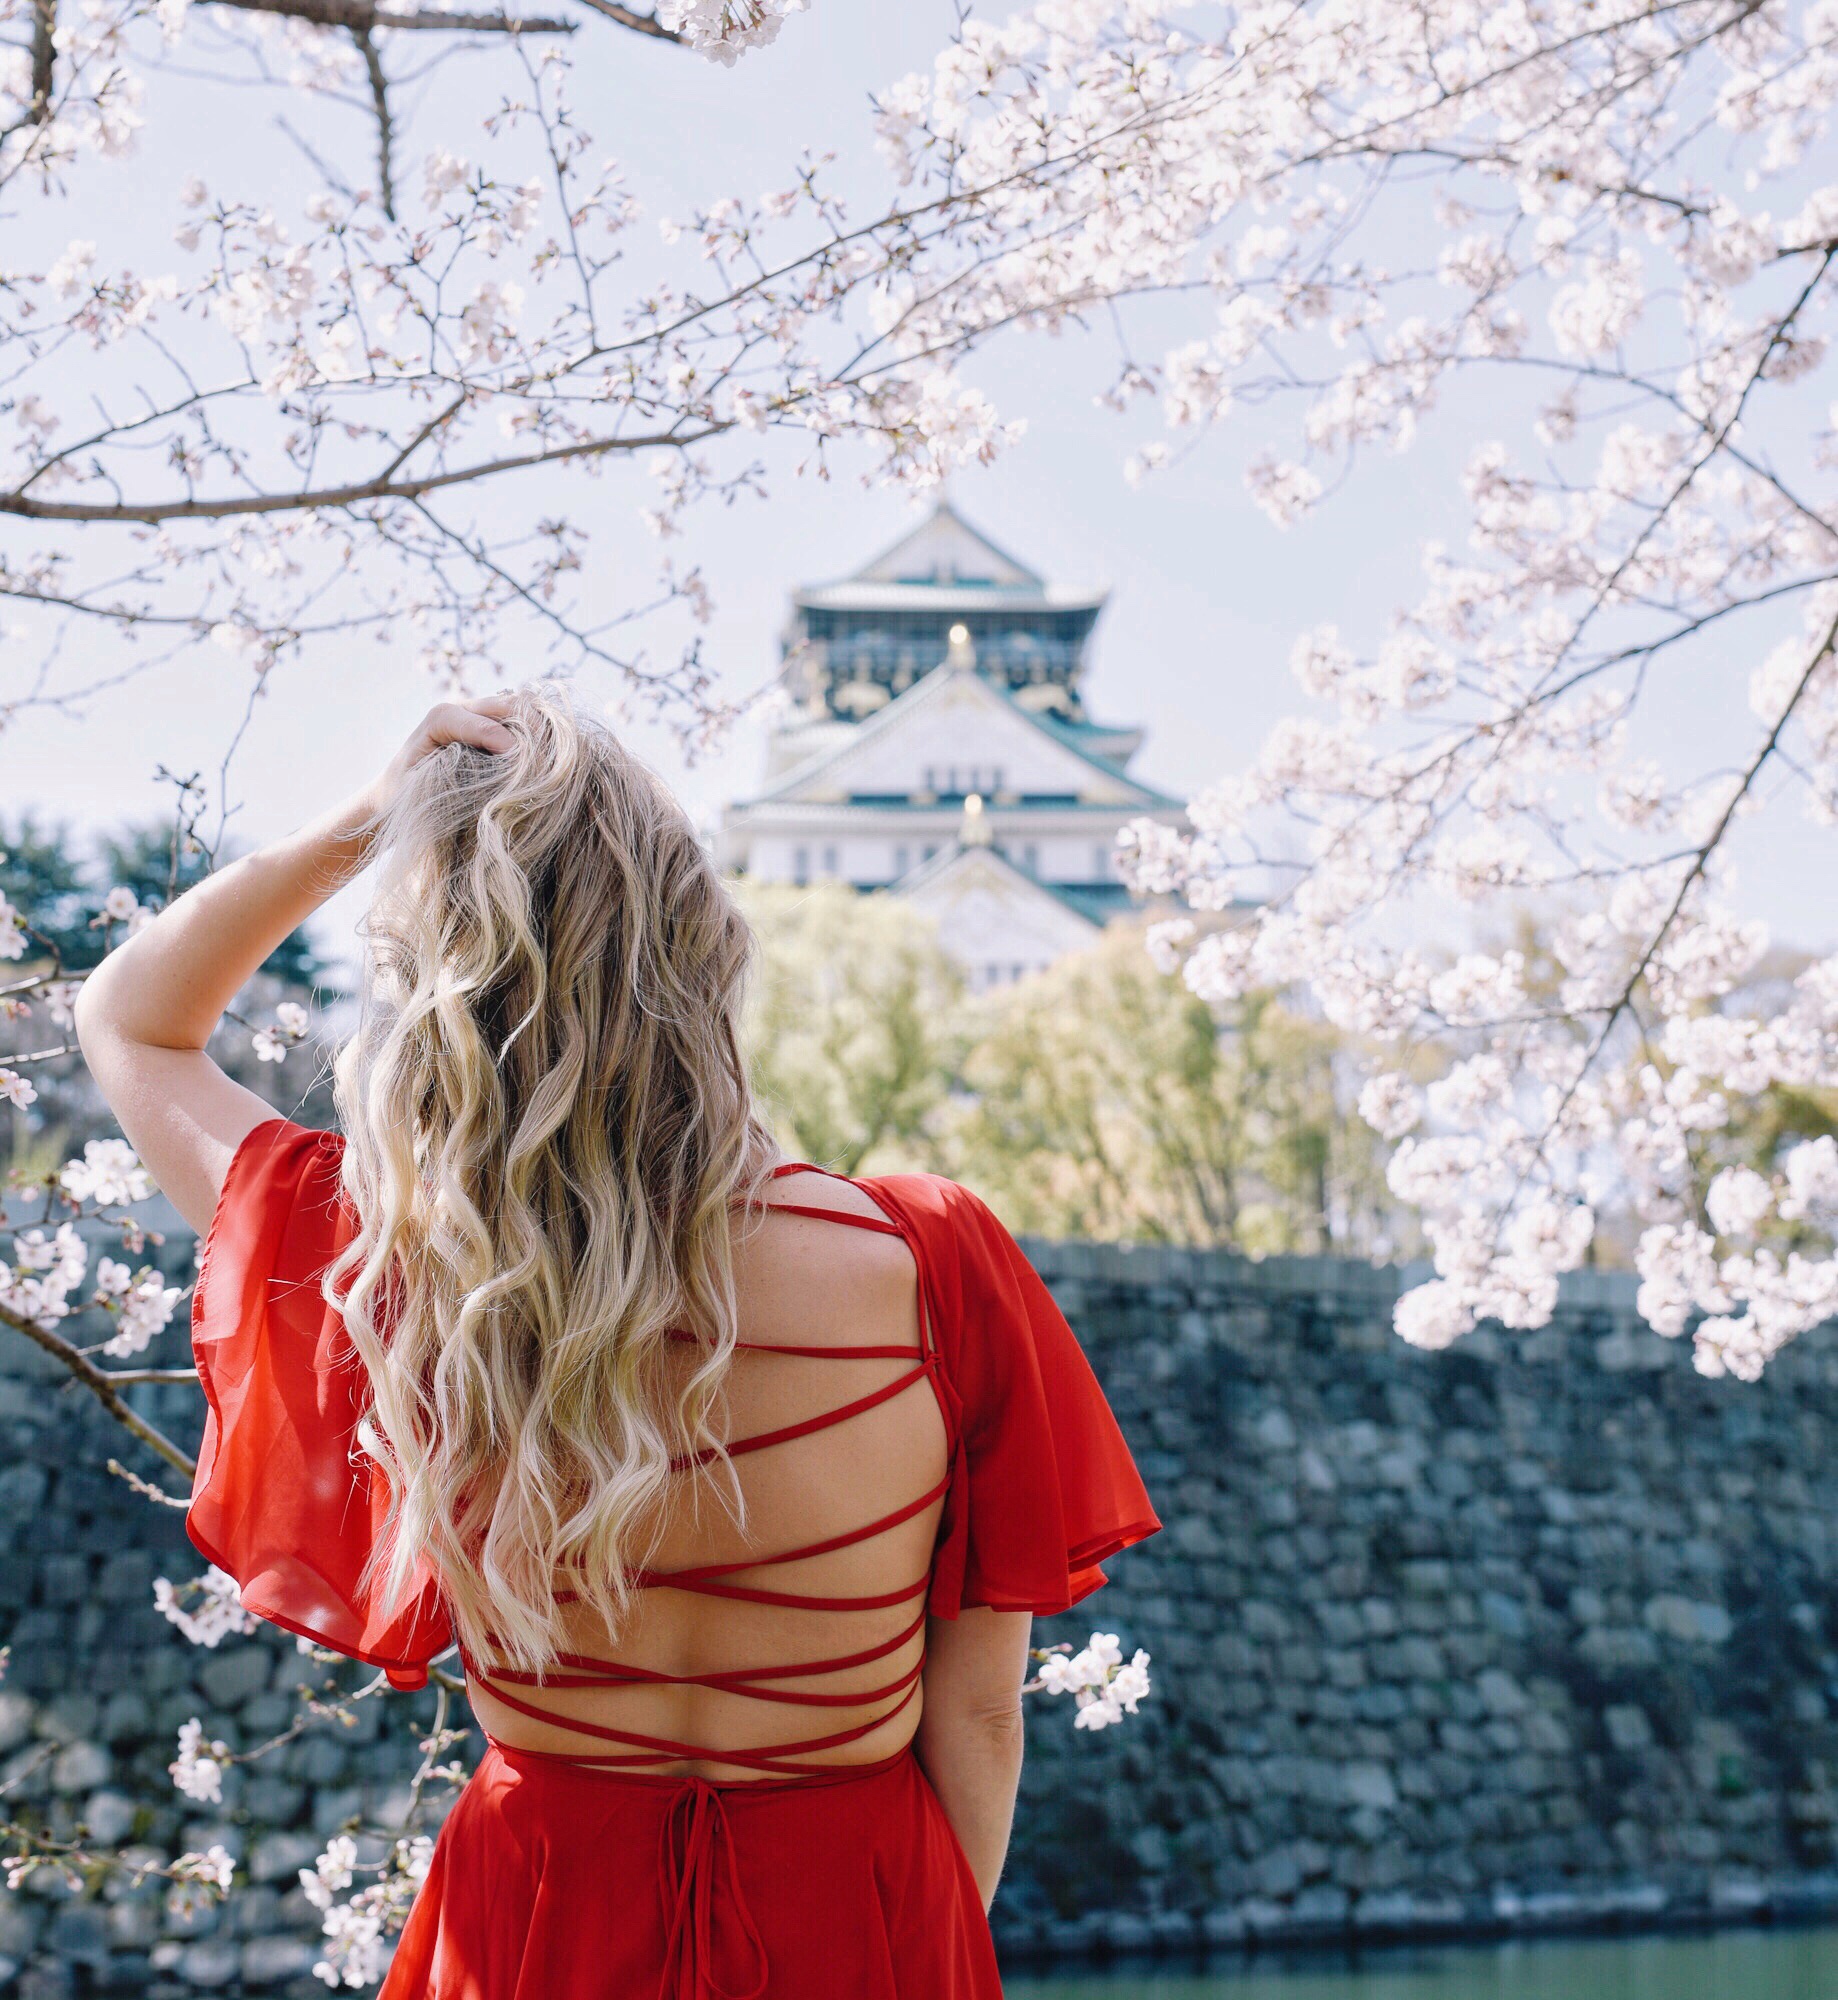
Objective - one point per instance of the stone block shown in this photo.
(271, 1800)
(109, 1816)
(269, 1961)
(78, 1934)
(18, 1713)
(63, 1580)
(47, 1979)
(1274, 1430)
(126, 1718)
(1688, 1621)
(21, 1920)
(134, 1925)
(1369, 1785)
(1501, 1694)
(230, 1677)
(69, 1714)
(213, 1963)
(1626, 1727)
(80, 1767)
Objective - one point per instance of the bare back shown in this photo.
(792, 1643)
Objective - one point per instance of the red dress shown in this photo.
(594, 1877)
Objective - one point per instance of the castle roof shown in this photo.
(1090, 779)
(947, 566)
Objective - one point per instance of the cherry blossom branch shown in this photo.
(102, 1385)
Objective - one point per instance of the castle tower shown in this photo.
(942, 672)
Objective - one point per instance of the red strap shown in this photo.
(687, 1579)
(586, 1670)
(878, 1223)
(660, 1750)
(813, 1353)
(693, 1840)
(784, 1697)
(811, 1425)
(788, 1601)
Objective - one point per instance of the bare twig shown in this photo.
(146, 1488)
(101, 1385)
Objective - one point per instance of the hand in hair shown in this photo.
(479, 721)
(147, 1012)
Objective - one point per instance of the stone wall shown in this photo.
(97, 1685)
(1542, 1631)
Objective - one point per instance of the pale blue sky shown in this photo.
(1207, 594)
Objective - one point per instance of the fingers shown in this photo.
(478, 722)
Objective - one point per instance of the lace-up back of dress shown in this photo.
(791, 1645)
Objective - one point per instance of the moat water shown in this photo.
(1723, 1965)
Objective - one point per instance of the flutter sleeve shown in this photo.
(284, 1498)
(1044, 1489)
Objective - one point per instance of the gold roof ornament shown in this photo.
(960, 655)
(974, 831)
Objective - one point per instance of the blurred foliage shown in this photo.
(1103, 1100)
(58, 879)
(854, 1030)
(1097, 1099)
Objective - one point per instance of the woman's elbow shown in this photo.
(996, 1727)
(89, 1010)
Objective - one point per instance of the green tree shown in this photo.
(161, 862)
(1103, 1100)
(58, 880)
(45, 875)
(853, 1028)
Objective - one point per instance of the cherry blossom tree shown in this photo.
(1613, 217)
(356, 412)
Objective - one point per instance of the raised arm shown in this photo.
(970, 1734)
(146, 1014)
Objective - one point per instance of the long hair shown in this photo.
(547, 1122)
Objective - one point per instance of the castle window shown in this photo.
(927, 851)
(829, 861)
(800, 865)
(899, 862)
(1030, 858)
(1101, 864)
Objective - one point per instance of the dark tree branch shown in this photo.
(353, 495)
(627, 17)
(44, 59)
(361, 16)
(379, 98)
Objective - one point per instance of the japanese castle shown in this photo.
(937, 746)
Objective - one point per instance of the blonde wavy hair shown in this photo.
(547, 1125)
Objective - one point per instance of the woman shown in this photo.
(735, 1481)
